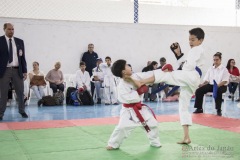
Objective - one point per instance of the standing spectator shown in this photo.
(55, 78)
(37, 82)
(97, 78)
(12, 66)
(233, 81)
(90, 58)
(109, 83)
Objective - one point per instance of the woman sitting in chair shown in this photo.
(37, 82)
(218, 74)
(55, 78)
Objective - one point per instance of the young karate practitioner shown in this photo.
(83, 78)
(109, 83)
(188, 78)
(133, 113)
(97, 79)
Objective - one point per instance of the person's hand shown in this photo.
(58, 82)
(175, 47)
(84, 87)
(200, 85)
(24, 76)
(96, 78)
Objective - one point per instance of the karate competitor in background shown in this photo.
(188, 78)
(97, 79)
(83, 78)
(133, 113)
(109, 83)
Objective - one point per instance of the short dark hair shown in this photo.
(198, 32)
(108, 58)
(82, 63)
(162, 59)
(5, 25)
(36, 63)
(118, 67)
(218, 54)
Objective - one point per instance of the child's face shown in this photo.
(108, 61)
(82, 67)
(128, 70)
(194, 41)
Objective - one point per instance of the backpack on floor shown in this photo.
(59, 97)
(85, 98)
(69, 100)
(47, 101)
(74, 98)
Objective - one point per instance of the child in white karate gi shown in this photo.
(188, 78)
(83, 78)
(133, 113)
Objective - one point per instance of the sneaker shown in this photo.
(107, 104)
(116, 103)
(198, 111)
(24, 115)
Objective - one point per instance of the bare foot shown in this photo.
(109, 148)
(185, 141)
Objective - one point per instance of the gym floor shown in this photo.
(69, 132)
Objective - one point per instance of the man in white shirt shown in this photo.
(83, 78)
(220, 74)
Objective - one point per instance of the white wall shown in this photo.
(50, 41)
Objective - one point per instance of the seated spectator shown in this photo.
(175, 95)
(220, 74)
(97, 78)
(55, 78)
(151, 67)
(234, 77)
(162, 62)
(83, 78)
(37, 82)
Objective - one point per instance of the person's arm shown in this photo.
(204, 83)
(48, 77)
(30, 76)
(222, 83)
(141, 78)
(225, 78)
(62, 78)
(78, 79)
(88, 80)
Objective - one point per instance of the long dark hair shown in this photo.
(149, 67)
(228, 64)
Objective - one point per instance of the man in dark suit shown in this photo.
(13, 67)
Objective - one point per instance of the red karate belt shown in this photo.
(136, 107)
